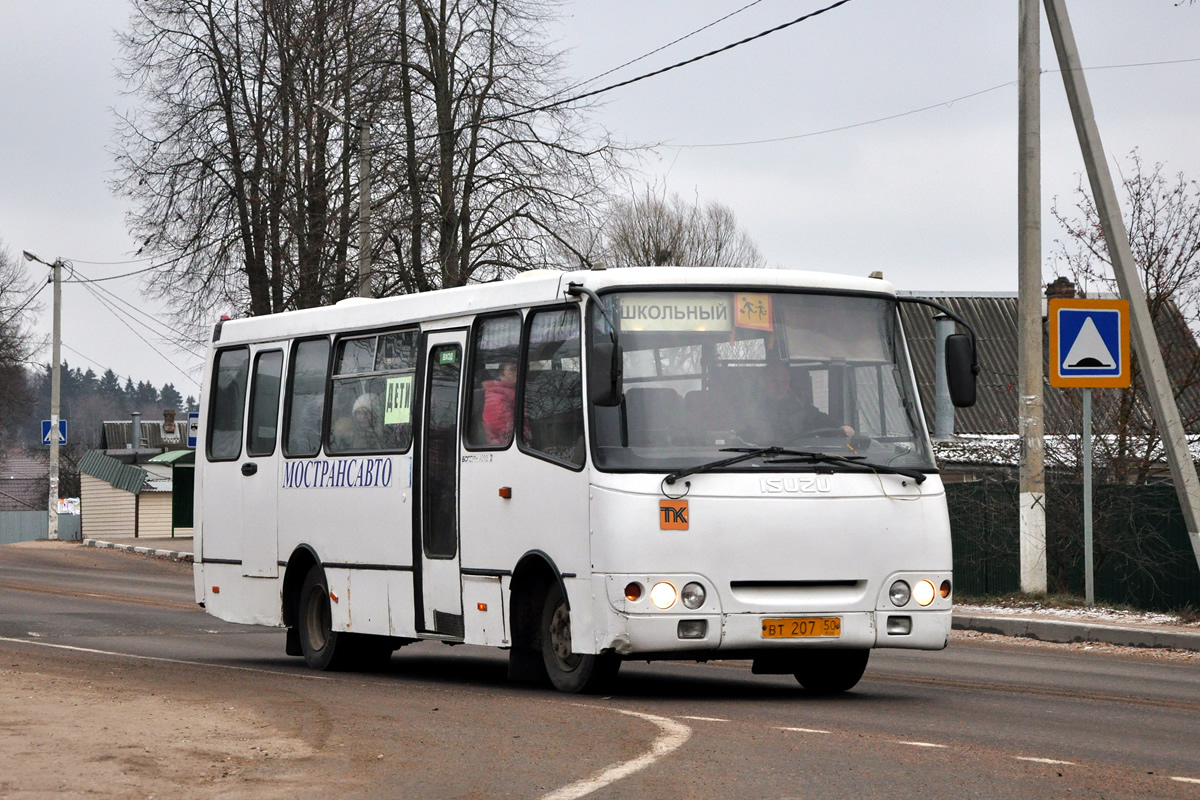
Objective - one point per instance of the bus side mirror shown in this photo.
(961, 369)
(604, 374)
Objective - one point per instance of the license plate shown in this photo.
(801, 627)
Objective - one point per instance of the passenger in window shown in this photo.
(363, 429)
(499, 399)
(781, 416)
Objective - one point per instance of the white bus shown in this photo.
(581, 468)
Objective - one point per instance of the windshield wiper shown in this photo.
(853, 461)
(747, 453)
(782, 455)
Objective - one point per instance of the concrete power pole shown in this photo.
(1029, 291)
(1158, 383)
(55, 398)
(55, 390)
(364, 209)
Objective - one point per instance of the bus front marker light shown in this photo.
(663, 595)
(693, 595)
(692, 628)
(944, 591)
(924, 592)
(633, 592)
(899, 593)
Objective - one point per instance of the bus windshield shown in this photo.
(706, 371)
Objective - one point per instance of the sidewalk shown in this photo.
(1128, 629)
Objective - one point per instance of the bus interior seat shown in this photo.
(653, 414)
(554, 411)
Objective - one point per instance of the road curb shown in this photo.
(1047, 630)
(177, 555)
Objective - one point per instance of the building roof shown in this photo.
(119, 435)
(122, 476)
(181, 458)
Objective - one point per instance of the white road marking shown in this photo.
(803, 730)
(920, 744)
(1187, 780)
(1044, 760)
(706, 719)
(672, 738)
(166, 660)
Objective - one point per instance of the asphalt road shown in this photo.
(981, 719)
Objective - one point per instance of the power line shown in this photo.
(114, 296)
(111, 263)
(157, 352)
(644, 56)
(25, 305)
(645, 76)
(111, 277)
(846, 127)
(944, 103)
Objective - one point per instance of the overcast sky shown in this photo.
(857, 182)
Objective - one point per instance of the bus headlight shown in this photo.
(899, 593)
(693, 595)
(663, 595)
(924, 593)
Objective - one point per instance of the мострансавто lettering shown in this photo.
(342, 473)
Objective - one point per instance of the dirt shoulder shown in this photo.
(129, 731)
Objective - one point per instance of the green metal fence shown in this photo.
(1142, 553)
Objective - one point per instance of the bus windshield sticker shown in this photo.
(448, 356)
(673, 515)
(753, 311)
(398, 407)
(675, 312)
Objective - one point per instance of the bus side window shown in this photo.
(228, 404)
(371, 402)
(306, 398)
(496, 350)
(264, 403)
(553, 387)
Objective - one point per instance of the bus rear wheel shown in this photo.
(569, 671)
(831, 671)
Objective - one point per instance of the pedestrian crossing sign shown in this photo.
(1089, 343)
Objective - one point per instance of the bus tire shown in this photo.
(322, 647)
(570, 672)
(831, 671)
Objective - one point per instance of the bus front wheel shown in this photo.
(318, 641)
(831, 671)
(569, 671)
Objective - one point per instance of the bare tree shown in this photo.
(17, 342)
(245, 188)
(656, 229)
(1163, 218)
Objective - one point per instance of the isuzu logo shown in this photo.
(808, 484)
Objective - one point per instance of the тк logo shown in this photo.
(804, 483)
(673, 515)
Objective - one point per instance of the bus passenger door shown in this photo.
(259, 468)
(436, 529)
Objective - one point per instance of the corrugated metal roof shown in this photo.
(995, 411)
(118, 435)
(121, 476)
(18, 465)
(181, 457)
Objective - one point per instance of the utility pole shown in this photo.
(364, 210)
(1158, 383)
(364, 197)
(55, 390)
(1029, 291)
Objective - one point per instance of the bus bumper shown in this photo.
(736, 635)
